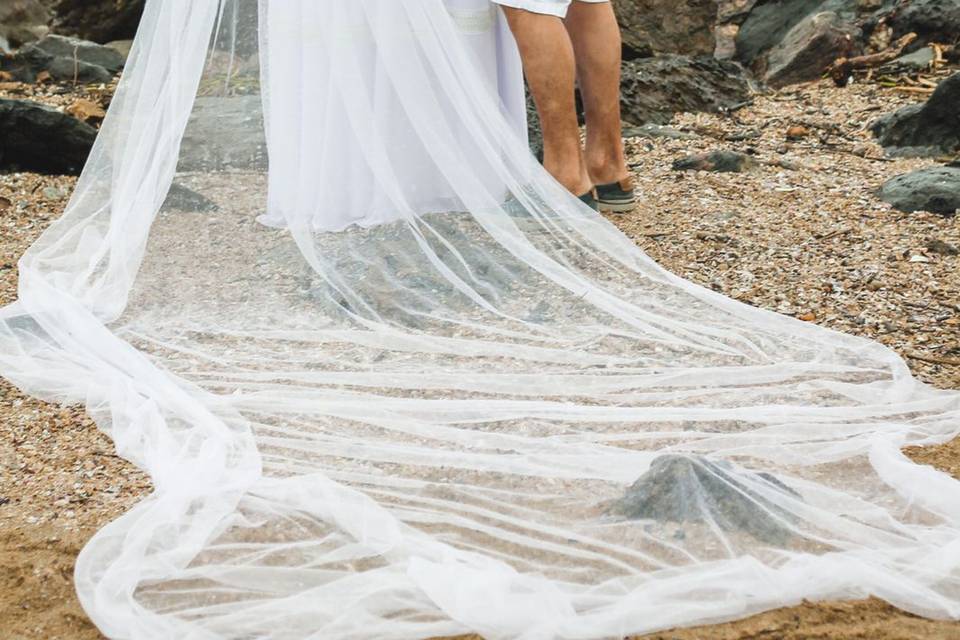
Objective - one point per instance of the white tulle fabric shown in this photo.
(429, 393)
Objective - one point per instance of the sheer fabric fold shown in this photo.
(391, 381)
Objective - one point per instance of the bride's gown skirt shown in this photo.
(391, 381)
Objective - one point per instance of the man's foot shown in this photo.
(616, 197)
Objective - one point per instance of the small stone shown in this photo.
(797, 132)
(935, 245)
(718, 161)
(52, 193)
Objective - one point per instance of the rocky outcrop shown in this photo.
(932, 20)
(785, 41)
(809, 48)
(35, 137)
(65, 59)
(665, 26)
(767, 24)
(931, 128)
(654, 89)
(936, 189)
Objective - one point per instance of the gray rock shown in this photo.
(767, 24)
(718, 161)
(654, 89)
(35, 137)
(81, 50)
(692, 489)
(182, 198)
(942, 247)
(936, 189)
(809, 48)
(931, 128)
(53, 193)
(919, 60)
(66, 59)
(27, 65)
(122, 47)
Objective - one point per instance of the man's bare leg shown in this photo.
(550, 68)
(595, 35)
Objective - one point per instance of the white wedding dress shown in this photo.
(432, 393)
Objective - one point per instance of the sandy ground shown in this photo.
(802, 234)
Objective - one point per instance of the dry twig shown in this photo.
(843, 68)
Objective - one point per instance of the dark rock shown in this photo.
(936, 245)
(768, 23)
(66, 59)
(681, 489)
(666, 26)
(35, 137)
(936, 189)
(809, 48)
(182, 198)
(654, 89)
(719, 161)
(931, 128)
(98, 20)
(932, 20)
(81, 50)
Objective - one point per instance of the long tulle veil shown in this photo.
(391, 381)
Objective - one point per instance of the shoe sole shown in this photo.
(617, 207)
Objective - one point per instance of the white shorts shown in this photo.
(547, 7)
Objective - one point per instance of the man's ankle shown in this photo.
(607, 172)
(574, 179)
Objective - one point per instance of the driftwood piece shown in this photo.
(843, 68)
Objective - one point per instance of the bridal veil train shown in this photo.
(391, 381)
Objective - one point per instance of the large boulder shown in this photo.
(931, 128)
(654, 89)
(98, 20)
(667, 26)
(932, 20)
(791, 34)
(65, 59)
(768, 23)
(936, 189)
(810, 47)
(34, 137)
